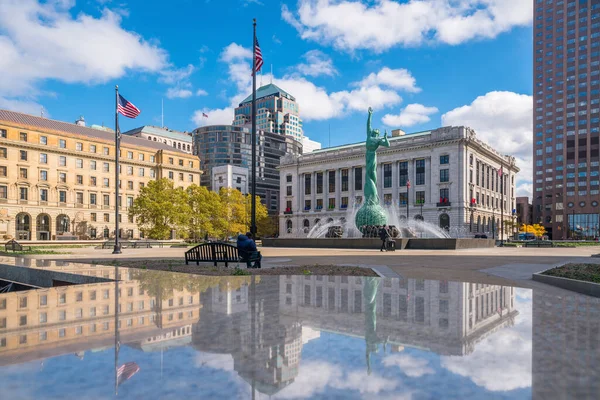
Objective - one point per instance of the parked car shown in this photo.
(482, 236)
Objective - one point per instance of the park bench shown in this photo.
(539, 243)
(219, 252)
(13, 245)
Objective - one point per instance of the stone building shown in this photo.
(454, 180)
(57, 179)
(175, 139)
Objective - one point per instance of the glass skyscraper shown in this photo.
(218, 145)
(566, 72)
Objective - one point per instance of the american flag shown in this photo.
(408, 184)
(258, 59)
(126, 108)
(126, 371)
(500, 171)
(205, 115)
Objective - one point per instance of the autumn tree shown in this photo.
(206, 212)
(161, 208)
(236, 214)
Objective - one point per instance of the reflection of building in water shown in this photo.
(566, 346)
(446, 317)
(52, 321)
(247, 324)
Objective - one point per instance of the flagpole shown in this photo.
(253, 137)
(117, 248)
(117, 341)
(502, 204)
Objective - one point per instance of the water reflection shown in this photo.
(176, 335)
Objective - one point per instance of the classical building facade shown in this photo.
(454, 177)
(175, 139)
(219, 145)
(57, 179)
(276, 111)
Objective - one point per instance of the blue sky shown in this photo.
(419, 64)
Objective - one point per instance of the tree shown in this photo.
(160, 208)
(235, 213)
(206, 212)
(265, 224)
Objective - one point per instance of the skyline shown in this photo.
(419, 67)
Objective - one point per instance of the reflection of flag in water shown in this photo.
(499, 311)
(126, 371)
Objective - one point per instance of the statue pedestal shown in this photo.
(370, 214)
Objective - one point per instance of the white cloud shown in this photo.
(510, 348)
(24, 106)
(175, 75)
(351, 25)
(178, 93)
(410, 366)
(235, 52)
(315, 102)
(400, 79)
(317, 64)
(504, 121)
(201, 92)
(410, 115)
(222, 362)
(40, 41)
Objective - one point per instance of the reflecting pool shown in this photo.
(171, 336)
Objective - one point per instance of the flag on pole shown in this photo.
(500, 172)
(204, 115)
(258, 59)
(126, 371)
(408, 184)
(126, 108)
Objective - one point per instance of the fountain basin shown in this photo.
(373, 243)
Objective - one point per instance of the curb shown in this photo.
(587, 288)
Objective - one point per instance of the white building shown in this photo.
(454, 177)
(178, 140)
(308, 146)
(230, 176)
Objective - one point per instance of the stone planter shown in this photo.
(587, 288)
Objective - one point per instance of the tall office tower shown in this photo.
(566, 74)
(276, 111)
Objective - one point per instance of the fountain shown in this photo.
(362, 221)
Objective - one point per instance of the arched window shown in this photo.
(43, 227)
(478, 227)
(23, 226)
(306, 223)
(445, 221)
(154, 139)
(317, 221)
(288, 226)
(418, 217)
(149, 137)
(329, 220)
(63, 224)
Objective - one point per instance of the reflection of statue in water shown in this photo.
(371, 338)
(371, 213)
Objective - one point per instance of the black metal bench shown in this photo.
(218, 252)
(539, 243)
(13, 245)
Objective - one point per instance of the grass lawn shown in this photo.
(32, 251)
(178, 265)
(580, 272)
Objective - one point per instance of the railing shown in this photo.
(444, 204)
(288, 212)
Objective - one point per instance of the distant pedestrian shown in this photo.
(384, 234)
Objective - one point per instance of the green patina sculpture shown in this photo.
(371, 212)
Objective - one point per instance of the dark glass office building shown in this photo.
(218, 145)
(566, 123)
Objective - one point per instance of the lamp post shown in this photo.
(407, 198)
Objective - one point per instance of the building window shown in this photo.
(23, 173)
(319, 182)
(181, 176)
(106, 200)
(331, 204)
(106, 217)
(105, 151)
(3, 152)
(62, 177)
(44, 140)
(171, 160)
(420, 197)
(403, 198)
(93, 217)
(62, 143)
(22, 155)
(170, 174)
(358, 178)
(62, 161)
(22, 136)
(403, 173)
(23, 194)
(445, 159)
(331, 181)
(92, 198)
(444, 195)
(420, 172)
(3, 192)
(307, 183)
(43, 174)
(43, 195)
(444, 175)
(106, 182)
(130, 155)
(3, 133)
(141, 172)
(288, 190)
(344, 180)
(387, 175)
(79, 163)
(62, 196)
(79, 198)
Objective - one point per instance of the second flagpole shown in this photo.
(253, 137)
(117, 248)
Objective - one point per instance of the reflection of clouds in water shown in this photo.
(222, 362)
(503, 360)
(315, 376)
(411, 366)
